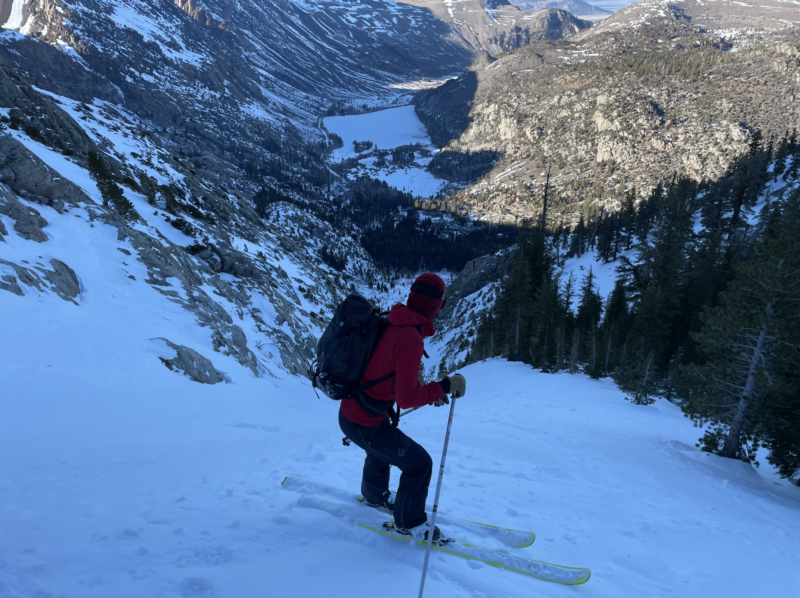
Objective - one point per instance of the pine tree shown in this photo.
(545, 329)
(515, 304)
(748, 342)
(110, 192)
(590, 309)
(794, 151)
(615, 324)
(605, 239)
(628, 218)
(662, 268)
(578, 244)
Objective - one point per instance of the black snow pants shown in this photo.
(385, 446)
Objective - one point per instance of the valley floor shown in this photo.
(134, 481)
(387, 130)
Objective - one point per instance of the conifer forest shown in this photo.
(705, 309)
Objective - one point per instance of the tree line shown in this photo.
(706, 315)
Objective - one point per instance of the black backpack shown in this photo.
(344, 351)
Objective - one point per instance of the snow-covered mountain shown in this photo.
(194, 108)
(654, 89)
(497, 26)
(220, 74)
(579, 8)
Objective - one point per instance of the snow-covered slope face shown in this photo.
(224, 73)
(136, 482)
(215, 101)
(245, 286)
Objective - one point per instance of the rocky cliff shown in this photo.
(627, 103)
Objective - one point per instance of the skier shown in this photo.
(365, 418)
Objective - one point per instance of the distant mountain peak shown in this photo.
(578, 8)
(497, 26)
(711, 16)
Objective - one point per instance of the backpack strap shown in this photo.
(374, 382)
(418, 328)
(372, 406)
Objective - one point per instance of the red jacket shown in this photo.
(399, 350)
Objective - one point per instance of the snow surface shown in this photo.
(125, 479)
(605, 272)
(387, 130)
(15, 17)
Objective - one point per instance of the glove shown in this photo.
(458, 385)
(443, 401)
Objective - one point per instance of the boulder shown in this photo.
(63, 280)
(192, 364)
(210, 258)
(24, 173)
(28, 222)
(10, 282)
(237, 263)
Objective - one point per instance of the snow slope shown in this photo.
(125, 479)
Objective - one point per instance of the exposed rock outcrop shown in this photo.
(476, 275)
(61, 280)
(41, 115)
(619, 106)
(34, 180)
(190, 363)
(28, 223)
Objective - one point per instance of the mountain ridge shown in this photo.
(499, 26)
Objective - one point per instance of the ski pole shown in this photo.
(436, 498)
(407, 411)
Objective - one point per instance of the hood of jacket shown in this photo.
(402, 315)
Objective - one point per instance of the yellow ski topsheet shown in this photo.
(495, 558)
(511, 538)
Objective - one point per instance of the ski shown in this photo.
(510, 538)
(494, 558)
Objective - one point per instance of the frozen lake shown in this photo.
(387, 130)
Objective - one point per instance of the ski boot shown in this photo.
(420, 532)
(386, 502)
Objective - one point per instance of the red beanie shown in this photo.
(424, 297)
